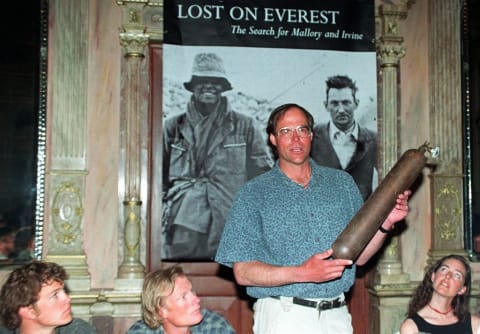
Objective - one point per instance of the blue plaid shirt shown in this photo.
(212, 323)
(276, 221)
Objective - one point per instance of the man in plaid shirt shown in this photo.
(170, 306)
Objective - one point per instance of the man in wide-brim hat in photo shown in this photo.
(209, 152)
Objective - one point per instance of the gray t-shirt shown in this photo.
(76, 326)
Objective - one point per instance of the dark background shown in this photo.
(19, 88)
(471, 89)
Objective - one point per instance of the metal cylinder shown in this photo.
(366, 222)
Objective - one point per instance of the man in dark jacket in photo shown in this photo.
(342, 143)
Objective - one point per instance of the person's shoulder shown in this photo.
(175, 119)
(5, 330)
(366, 132)
(330, 171)
(321, 127)
(211, 314)
(260, 179)
(334, 176)
(240, 116)
(408, 326)
(320, 130)
(216, 322)
(76, 326)
(475, 319)
(140, 327)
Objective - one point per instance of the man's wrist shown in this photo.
(384, 230)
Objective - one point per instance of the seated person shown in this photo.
(170, 306)
(441, 302)
(33, 301)
(24, 244)
(7, 237)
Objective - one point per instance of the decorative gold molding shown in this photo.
(447, 225)
(134, 43)
(66, 207)
(132, 229)
(145, 17)
(131, 266)
(67, 213)
(397, 3)
(390, 55)
(390, 47)
(448, 211)
(65, 245)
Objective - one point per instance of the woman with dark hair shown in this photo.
(441, 302)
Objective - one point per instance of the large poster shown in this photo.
(226, 65)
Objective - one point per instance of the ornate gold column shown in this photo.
(134, 41)
(67, 116)
(390, 50)
(445, 125)
(389, 293)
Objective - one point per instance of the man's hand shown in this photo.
(320, 268)
(399, 212)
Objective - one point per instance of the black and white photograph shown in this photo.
(345, 142)
(216, 101)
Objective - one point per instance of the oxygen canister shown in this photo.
(366, 222)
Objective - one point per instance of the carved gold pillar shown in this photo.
(445, 125)
(67, 116)
(134, 41)
(391, 290)
(390, 50)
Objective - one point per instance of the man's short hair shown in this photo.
(339, 82)
(156, 286)
(22, 288)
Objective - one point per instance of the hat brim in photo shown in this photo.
(195, 80)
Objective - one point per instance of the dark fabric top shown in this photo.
(464, 327)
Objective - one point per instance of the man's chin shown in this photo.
(67, 320)
(198, 317)
(68, 315)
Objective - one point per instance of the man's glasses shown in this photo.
(303, 131)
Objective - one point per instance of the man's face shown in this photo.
(292, 148)
(182, 307)
(7, 244)
(341, 104)
(207, 91)
(52, 308)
